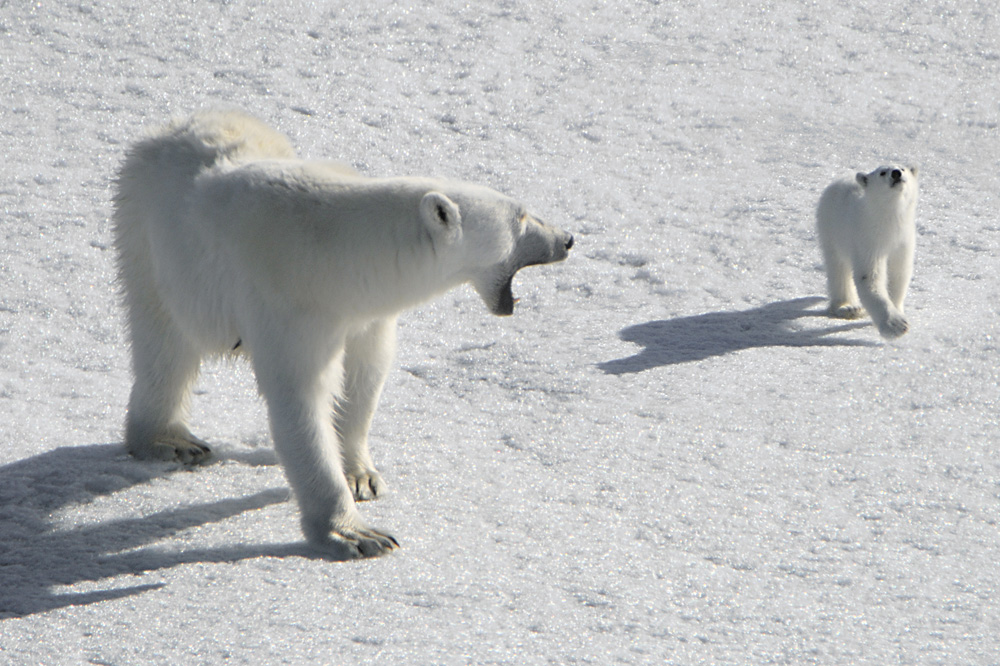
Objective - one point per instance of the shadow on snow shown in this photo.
(36, 556)
(687, 339)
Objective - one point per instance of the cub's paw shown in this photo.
(847, 311)
(894, 326)
(366, 484)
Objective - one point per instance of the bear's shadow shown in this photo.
(687, 339)
(37, 557)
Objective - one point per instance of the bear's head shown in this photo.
(484, 238)
(892, 179)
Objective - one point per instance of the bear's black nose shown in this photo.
(896, 174)
(569, 243)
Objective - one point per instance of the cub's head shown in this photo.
(890, 180)
(484, 238)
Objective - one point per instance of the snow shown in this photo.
(668, 455)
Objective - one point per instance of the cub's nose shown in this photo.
(896, 174)
(569, 243)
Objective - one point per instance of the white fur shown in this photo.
(867, 234)
(227, 242)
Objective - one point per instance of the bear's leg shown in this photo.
(840, 287)
(298, 393)
(165, 365)
(367, 358)
(900, 273)
(871, 281)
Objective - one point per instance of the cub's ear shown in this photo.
(914, 170)
(441, 216)
(862, 179)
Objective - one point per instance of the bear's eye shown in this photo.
(882, 174)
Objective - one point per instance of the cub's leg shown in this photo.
(840, 285)
(900, 274)
(872, 285)
(165, 365)
(298, 393)
(368, 356)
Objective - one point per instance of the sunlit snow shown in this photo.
(669, 454)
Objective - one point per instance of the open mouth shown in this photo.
(495, 285)
(504, 304)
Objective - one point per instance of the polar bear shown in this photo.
(228, 243)
(867, 234)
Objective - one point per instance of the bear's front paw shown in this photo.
(894, 326)
(847, 311)
(366, 541)
(366, 484)
(346, 537)
(354, 542)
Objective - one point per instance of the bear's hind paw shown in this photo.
(893, 327)
(847, 311)
(192, 452)
(183, 448)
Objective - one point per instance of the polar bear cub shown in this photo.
(867, 234)
(228, 243)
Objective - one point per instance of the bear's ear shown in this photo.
(862, 179)
(440, 215)
(914, 170)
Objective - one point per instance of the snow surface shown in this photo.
(668, 455)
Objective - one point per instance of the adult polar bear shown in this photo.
(226, 241)
(867, 234)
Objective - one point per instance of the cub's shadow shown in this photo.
(37, 556)
(687, 339)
